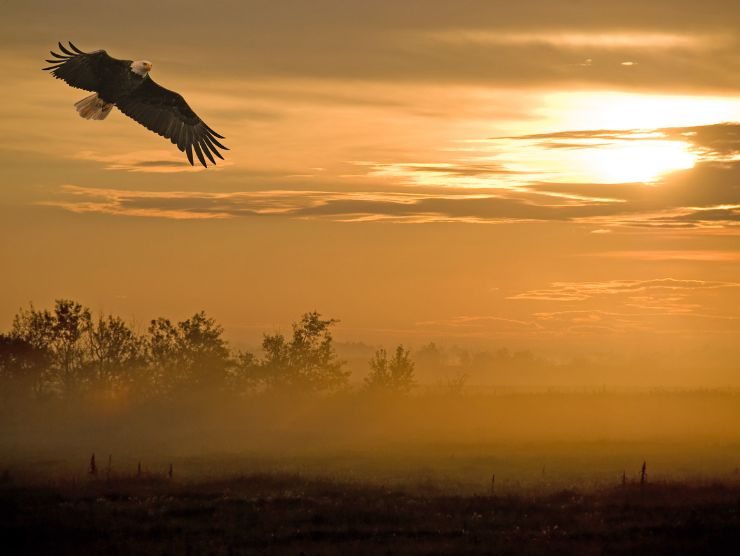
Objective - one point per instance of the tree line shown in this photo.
(67, 351)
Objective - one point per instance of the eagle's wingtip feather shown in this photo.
(73, 47)
(64, 49)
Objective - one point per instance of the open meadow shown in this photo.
(291, 514)
(419, 474)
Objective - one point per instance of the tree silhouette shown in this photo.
(247, 373)
(67, 351)
(70, 322)
(192, 352)
(115, 352)
(60, 334)
(308, 361)
(163, 354)
(21, 365)
(396, 374)
(204, 350)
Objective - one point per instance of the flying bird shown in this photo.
(126, 84)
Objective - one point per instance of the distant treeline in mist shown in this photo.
(73, 383)
(66, 352)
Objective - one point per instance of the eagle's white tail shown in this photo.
(93, 108)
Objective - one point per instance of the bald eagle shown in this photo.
(126, 84)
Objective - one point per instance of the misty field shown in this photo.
(507, 474)
(170, 441)
(289, 514)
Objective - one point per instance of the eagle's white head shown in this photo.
(141, 67)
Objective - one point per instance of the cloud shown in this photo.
(570, 39)
(185, 204)
(534, 42)
(660, 305)
(363, 206)
(672, 255)
(459, 206)
(439, 173)
(644, 315)
(290, 203)
(708, 219)
(478, 325)
(158, 162)
(469, 189)
(661, 320)
(473, 320)
(581, 291)
(716, 141)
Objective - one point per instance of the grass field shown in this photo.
(290, 514)
(346, 475)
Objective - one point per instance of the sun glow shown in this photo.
(610, 110)
(631, 157)
(637, 161)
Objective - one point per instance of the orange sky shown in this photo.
(560, 175)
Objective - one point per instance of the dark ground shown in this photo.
(288, 514)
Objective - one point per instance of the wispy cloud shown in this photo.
(467, 321)
(337, 205)
(683, 203)
(671, 255)
(581, 291)
(705, 194)
(355, 206)
(716, 142)
(706, 218)
(660, 305)
(146, 161)
(460, 175)
(570, 39)
(185, 204)
(659, 320)
(639, 317)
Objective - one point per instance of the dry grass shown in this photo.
(289, 514)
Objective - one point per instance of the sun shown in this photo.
(638, 160)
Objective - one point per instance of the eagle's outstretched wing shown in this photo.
(83, 70)
(166, 113)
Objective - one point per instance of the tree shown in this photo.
(247, 374)
(70, 322)
(308, 362)
(115, 352)
(60, 334)
(163, 354)
(34, 327)
(394, 375)
(456, 383)
(192, 352)
(21, 364)
(205, 352)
